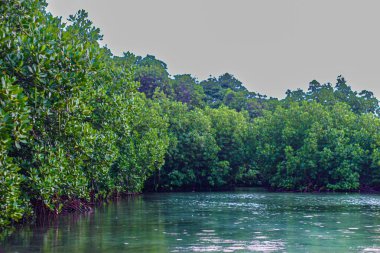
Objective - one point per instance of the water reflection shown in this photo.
(213, 222)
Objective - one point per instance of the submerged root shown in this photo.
(66, 205)
(41, 210)
(76, 205)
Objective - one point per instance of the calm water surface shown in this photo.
(213, 222)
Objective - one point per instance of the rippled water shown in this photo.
(214, 222)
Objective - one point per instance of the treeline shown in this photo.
(222, 135)
(73, 126)
(78, 124)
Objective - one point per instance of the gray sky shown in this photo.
(269, 45)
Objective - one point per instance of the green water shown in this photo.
(213, 222)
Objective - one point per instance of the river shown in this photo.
(241, 221)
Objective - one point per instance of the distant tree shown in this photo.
(187, 90)
(359, 102)
(149, 72)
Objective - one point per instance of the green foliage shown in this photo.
(72, 122)
(192, 151)
(213, 92)
(187, 90)
(326, 94)
(227, 90)
(207, 148)
(310, 147)
(143, 151)
(14, 128)
(231, 134)
(150, 72)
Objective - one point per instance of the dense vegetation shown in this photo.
(72, 124)
(78, 124)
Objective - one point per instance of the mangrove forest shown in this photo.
(79, 125)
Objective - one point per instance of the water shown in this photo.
(213, 222)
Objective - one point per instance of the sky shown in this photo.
(269, 45)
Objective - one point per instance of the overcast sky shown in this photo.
(269, 45)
